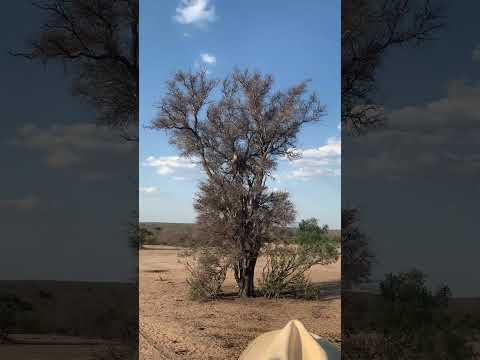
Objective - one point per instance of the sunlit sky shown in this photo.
(293, 42)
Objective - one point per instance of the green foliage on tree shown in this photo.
(311, 226)
(314, 237)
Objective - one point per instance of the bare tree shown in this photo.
(98, 39)
(237, 129)
(369, 29)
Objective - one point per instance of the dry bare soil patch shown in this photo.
(173, 327)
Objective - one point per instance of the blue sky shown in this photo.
(293, 42)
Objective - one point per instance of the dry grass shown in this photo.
(220, 329)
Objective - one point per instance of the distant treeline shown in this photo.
(182, 234)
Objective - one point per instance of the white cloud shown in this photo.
(476, 53)
(305, 173)
(436, 138)
(177, 167)
(322, 161)
(66, 145)
(149, 189)
(93, 151)
(208, 59)
(331, 149)
(195, 12)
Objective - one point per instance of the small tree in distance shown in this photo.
(316, 240)
(310, 232)
(237, 129)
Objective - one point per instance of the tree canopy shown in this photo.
(237, 129)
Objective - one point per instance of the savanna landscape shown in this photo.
(172, 326)
(239, 134)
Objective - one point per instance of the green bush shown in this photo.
(286, 268)
(309, 233)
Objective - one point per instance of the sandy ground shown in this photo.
(50, 352)
(172, 327)
(53, 347)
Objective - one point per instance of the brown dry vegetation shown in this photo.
(173, 327)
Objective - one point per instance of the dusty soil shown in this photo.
(173, 327)
(54, 347)
(47, 352)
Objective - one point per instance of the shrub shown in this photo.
(286, 267)
(207, 269)
(10, 306)
(138, 234)
(305, 289)
(145, 236)
(407, 320)
(282, 270)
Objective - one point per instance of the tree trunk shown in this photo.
(244, 275)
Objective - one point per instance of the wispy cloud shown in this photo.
(149, 189)
(93, 152)
(197, 12)
(66, 145)
(208, 59)
(175, 166)
(434, 139)
(322, 161)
